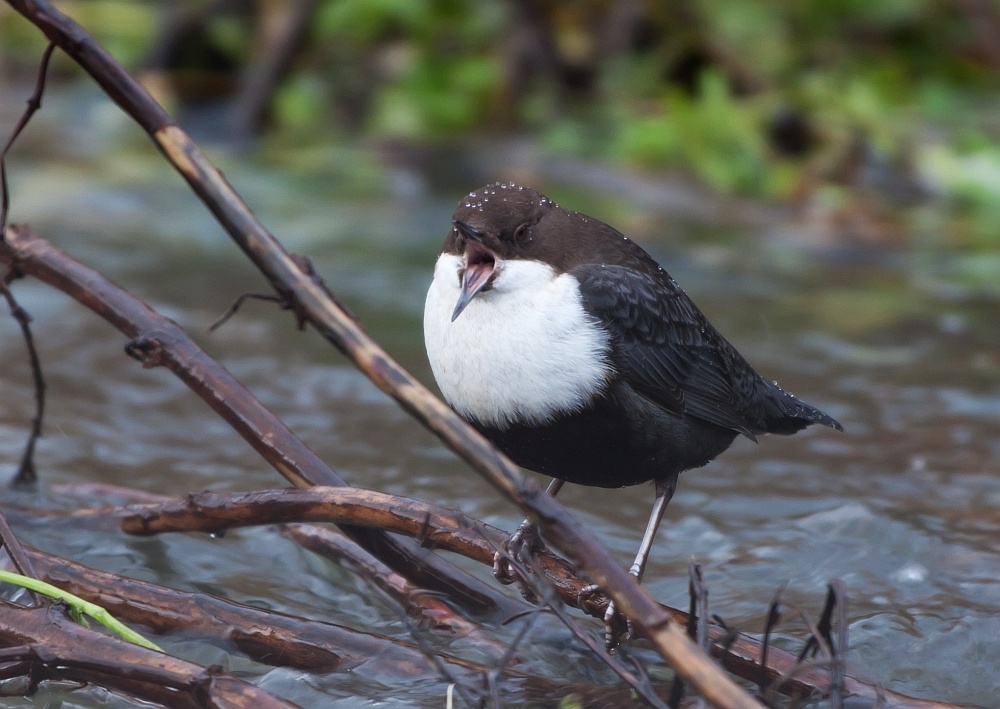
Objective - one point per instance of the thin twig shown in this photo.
(773, 616)
(817, 639)
(697, 624)
(16, 553)
(839, 666)
(34, 103)
(26, 473)
(425, 649)
(535, 578)
(494, 677)
(821, 635)
(242, 298)
(701, 605)
(801, 664)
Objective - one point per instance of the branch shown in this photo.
(454, 531)
(80, 608)
(425, 607)
(785, 672)
(26, 474)
(265, 636)
(278, 639)
(34, 103)
(14, 549)
(53, 647)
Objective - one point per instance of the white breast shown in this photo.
(523, 351)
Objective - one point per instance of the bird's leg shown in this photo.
(612, 620)
(526, 535)
(664, 492)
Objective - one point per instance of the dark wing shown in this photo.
(668, 351)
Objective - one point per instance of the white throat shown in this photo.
(523, 351)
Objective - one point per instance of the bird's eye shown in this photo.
(521, 234)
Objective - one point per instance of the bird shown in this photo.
(578, 356)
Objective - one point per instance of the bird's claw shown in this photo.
(586, 595)
(502, 570)
(617, 627)
(523, 543)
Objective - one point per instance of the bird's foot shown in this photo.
(617, 627)
(523, 543)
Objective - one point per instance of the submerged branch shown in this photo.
(456, 532)
(47, 645)
(282, 640)
(266, 636)
(450, 530)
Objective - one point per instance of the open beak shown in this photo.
(480, 264)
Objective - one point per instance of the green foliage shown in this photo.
(300, 104)
(971, 183)
(694, 87)
(434, 97)
(570, 701)
(125, 29)
(711, 132)
(365, 22)
(432, 62)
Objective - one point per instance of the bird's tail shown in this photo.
(783, 413)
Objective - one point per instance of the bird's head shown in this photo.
(493, 226)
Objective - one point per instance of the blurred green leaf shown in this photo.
(300, 104)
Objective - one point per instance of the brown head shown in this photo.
(505, 221)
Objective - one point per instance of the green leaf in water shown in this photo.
(80, 608)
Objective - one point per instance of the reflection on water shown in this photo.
(904, 506)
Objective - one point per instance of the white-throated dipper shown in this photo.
(579, 357)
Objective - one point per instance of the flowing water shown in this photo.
(900, 344)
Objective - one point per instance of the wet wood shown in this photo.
(451, 530)
(456, 532)
(45, 643)
(287, 641)
(428, 611)
(266, 636)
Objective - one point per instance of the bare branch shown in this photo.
(838, 597)
(34, 103)
(16, 553)
(238, 303)
(426, 608)
(54, 647)
(277, 638)
(266, 636)
(26, 474)
(453, 531)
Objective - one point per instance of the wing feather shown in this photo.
(665, 348)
